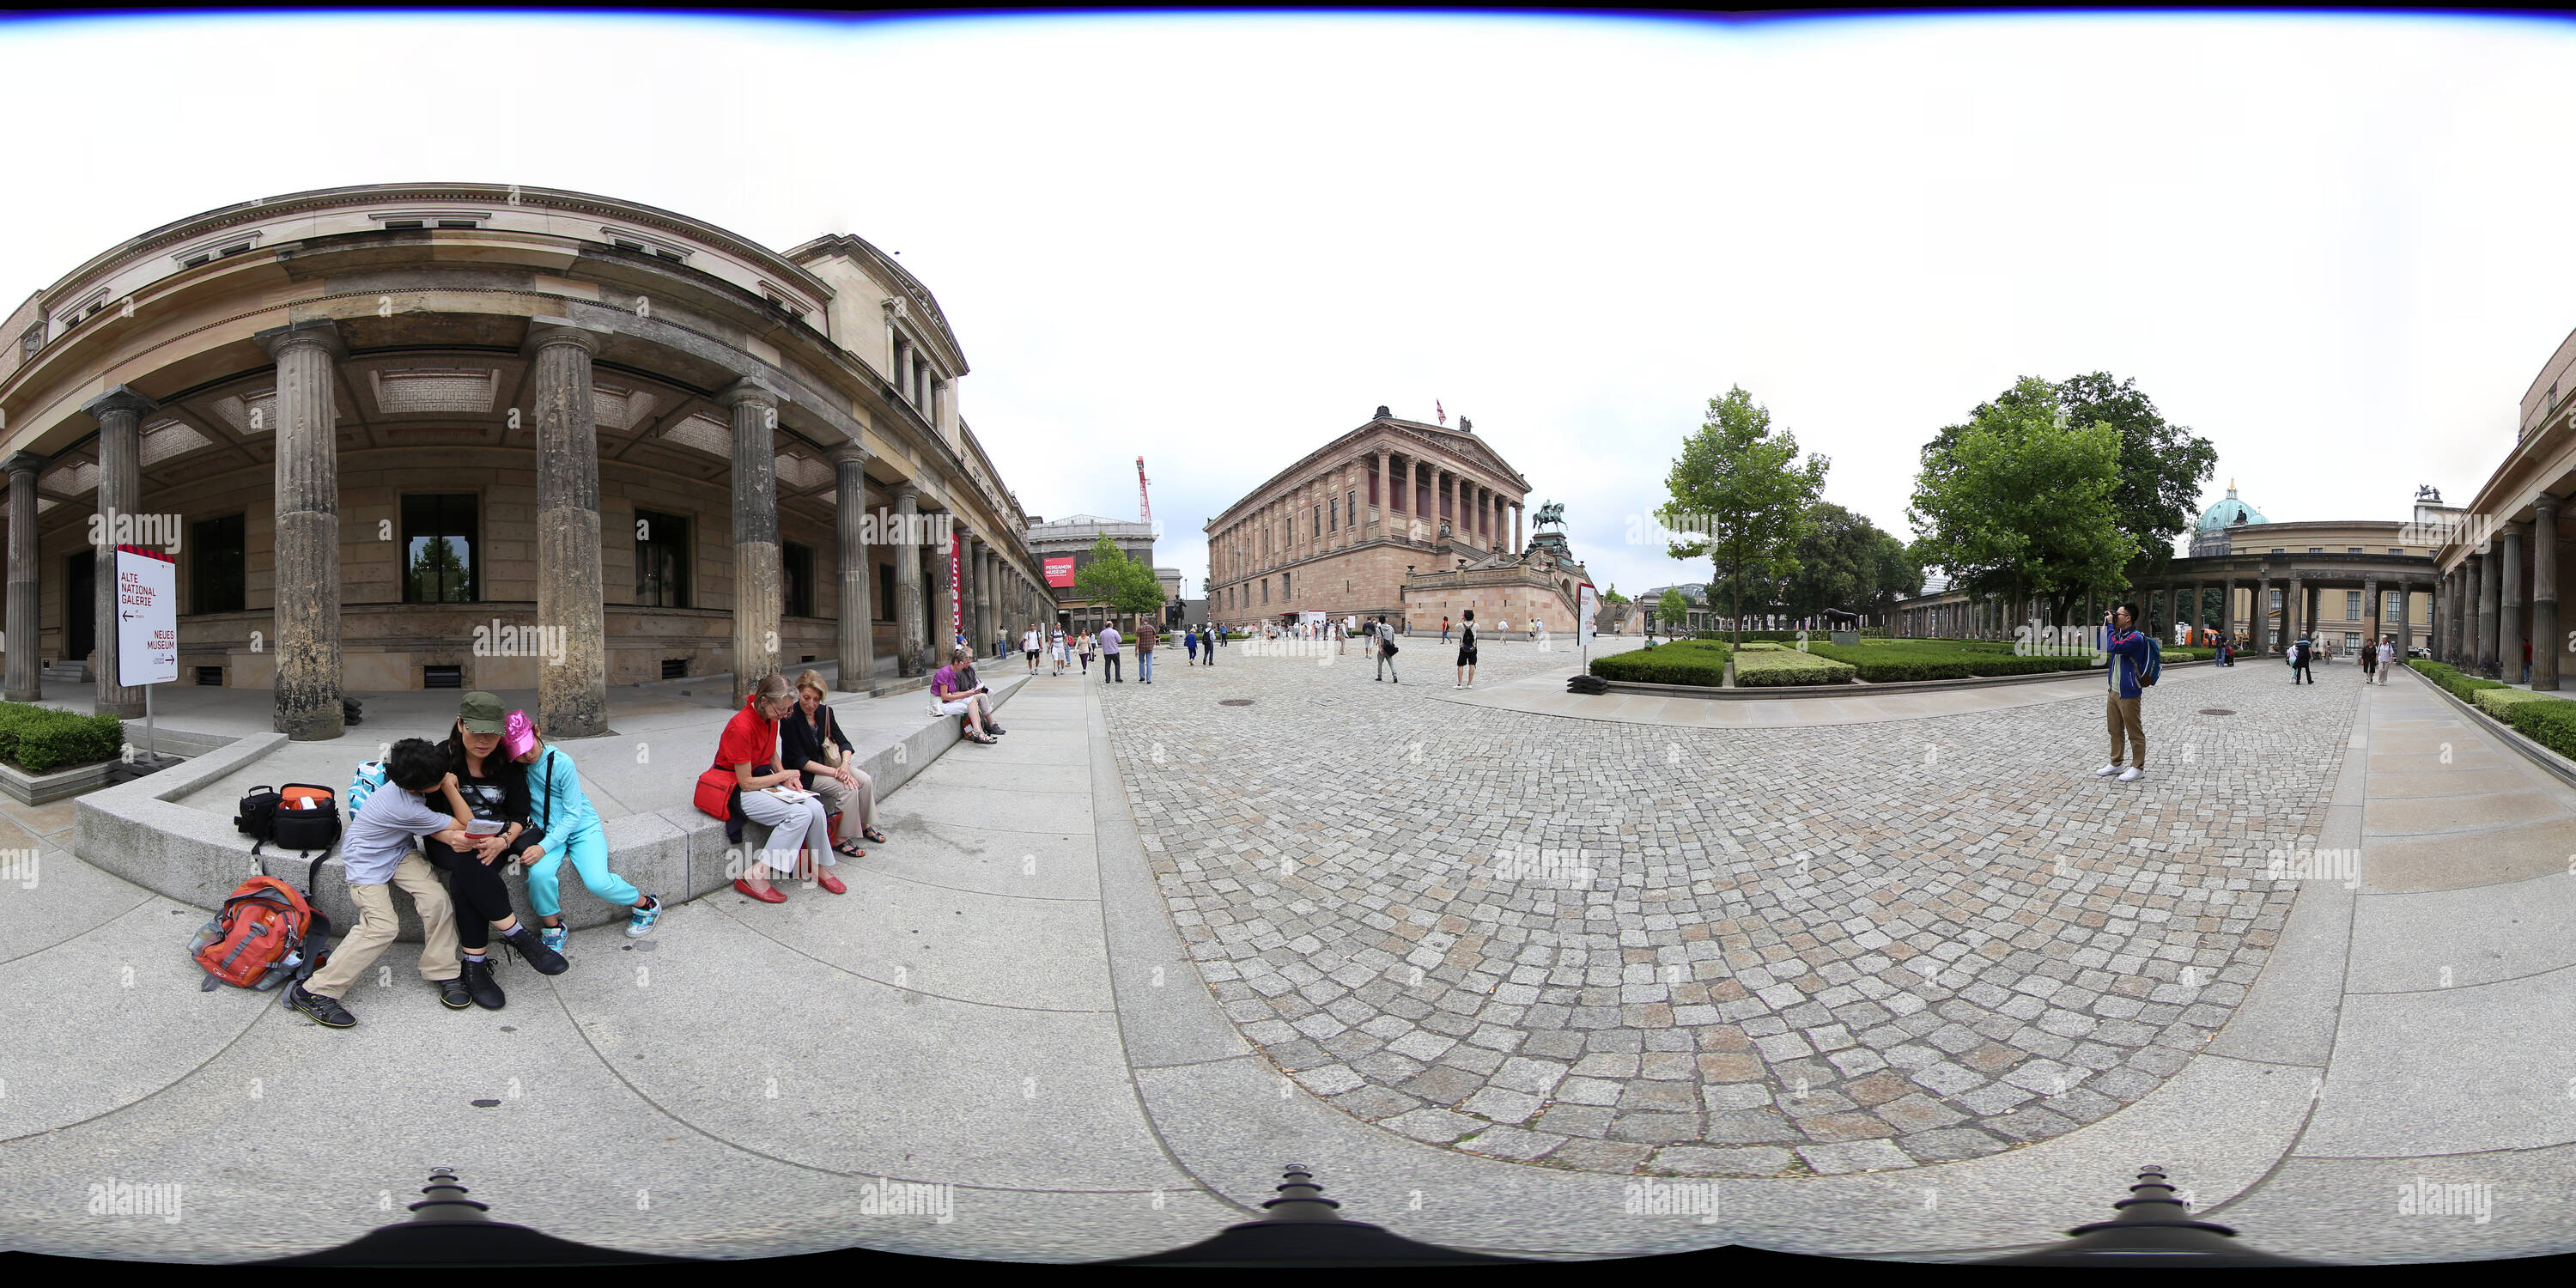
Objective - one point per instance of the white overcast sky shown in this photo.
(2337, 246)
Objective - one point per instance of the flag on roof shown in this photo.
(1440, 411)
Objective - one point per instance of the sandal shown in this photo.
(848, 849)
(873, 836)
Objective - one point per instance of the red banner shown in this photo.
(956, 593)
(1059, 572)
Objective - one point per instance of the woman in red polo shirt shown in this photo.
(798, 823)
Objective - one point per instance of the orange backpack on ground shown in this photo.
(261, 937)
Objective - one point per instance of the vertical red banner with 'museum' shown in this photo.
(956, 601)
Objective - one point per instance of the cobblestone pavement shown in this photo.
(1628, 948)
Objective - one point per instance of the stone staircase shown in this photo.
(76, 672)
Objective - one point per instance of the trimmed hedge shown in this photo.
(2494, 701)
(1896, 663)
(1788, 667)
(2459, 683)
(41, 740)
(1680, 662)
(2546, 720)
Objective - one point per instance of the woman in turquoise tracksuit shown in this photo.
(554, 792)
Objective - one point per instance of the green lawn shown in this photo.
(1780, 667)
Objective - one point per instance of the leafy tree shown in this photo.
(1845, 563)
(2162, 465)
(1123, 584)
(1673, 609)
(2018, 502)
(1742, 490)
(438, 570)
(1612, 595)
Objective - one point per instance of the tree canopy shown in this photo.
(1740, 496)
(1123, 584)
(2020, 501)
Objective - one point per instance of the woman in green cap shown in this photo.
(495, 789)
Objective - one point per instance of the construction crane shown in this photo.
(1144, 503)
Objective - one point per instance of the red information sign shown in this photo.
(956, 596)
(1059, 572)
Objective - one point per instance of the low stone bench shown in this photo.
(141, 832)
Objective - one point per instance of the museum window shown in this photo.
(796, 581)
(661, 560)
(1265, 590)
(1354, 510)
(2352, 605)
(2316, 550)
(1283, 587)
(1335, 514)
(2353, 550)
(439, 548)
(216, 560)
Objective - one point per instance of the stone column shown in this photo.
(308, 531)
(1517, 547)
(2509, 635)
(120, 412)
(2544, 593)
(2259, 633)
(2370, 610)
(572, 689)
(756, 579)
(2490, 597)
(2405, 610)
(26, 671)
(1385, 501)
(2455, 632)
(2227, 618)
(2291, 602)
(858, 601)
(912, 638)
(943, 591)
(988, 585)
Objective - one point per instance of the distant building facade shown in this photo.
(1063, 548)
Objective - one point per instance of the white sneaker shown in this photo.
(2129, 775)
(2106, 771)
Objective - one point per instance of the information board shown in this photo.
(147, 617)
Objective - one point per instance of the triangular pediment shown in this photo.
(1466, 447)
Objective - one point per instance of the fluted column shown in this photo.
(2544, 593)
(1517, 546)
(944, 571)
(857, 602)
(756, 580)
(120, 412)
(2370, 610)
(26, 669)
(2509, 635)
(308, 532)
(2227, 619)
(572, 687)
(2292, 603)
(2490, 596)
(910, 626)
(2405, 611)
(1384, 505)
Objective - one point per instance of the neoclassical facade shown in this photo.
(2505, 559)
(488, 436)
(1411, 520)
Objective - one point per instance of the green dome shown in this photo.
(2228, 513)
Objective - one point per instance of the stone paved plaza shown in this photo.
(1613, 948)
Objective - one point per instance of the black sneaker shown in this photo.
(325, 1011)
(478, 982)
(528, 946)
(453, 994)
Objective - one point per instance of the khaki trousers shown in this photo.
(376, 926)
(837, 797)
(2122, 714)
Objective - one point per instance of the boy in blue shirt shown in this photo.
(378, 851)
(2128, 649)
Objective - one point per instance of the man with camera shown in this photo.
(2128, 649)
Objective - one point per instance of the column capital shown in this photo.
(907, 492)
(850, 453)
(321, 333)
(752, 389)
(545, 331)
(25, 463)
(121, 398)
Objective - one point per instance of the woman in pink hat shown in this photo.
(558, 806)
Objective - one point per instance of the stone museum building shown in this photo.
(485, 436)
(1411, 520)
(1062, 548)
(2504, 557)
(2266, 582)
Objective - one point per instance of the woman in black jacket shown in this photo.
(810, 741)
(495, 789)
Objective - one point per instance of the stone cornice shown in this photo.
(1349, 447)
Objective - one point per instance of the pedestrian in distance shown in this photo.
(2387, 657)
(1110, 643)
(2129, 650)
(2369, 662)
(1190, 646)
(2302, 656)
(1384, 639)
(1444, 629)
(1467, 652)
(1029, 645)
(1145, 641)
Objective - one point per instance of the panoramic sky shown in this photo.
(2333, 245)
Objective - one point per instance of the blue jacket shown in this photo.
(2128, 650)
(555, 799)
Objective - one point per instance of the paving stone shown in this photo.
(1918, 1112)
(1855, 1156)
(1659, 1128)
(1704, 1160)
(1437, 1126)
(1950, 1144)
(1751, 1127)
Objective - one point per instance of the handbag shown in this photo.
(714, 795)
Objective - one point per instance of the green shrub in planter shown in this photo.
(2494, 701)
(2549, 721)
(1695, 662)
(1906, 660)
(1788, 667)
(41, 740)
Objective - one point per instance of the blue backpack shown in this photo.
(363, 784)
(2153, 668)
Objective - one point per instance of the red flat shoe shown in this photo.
(823, 877)
(770, 895)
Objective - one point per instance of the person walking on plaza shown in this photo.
(1190, 646)
(1466, 652)
(1085, 643)
(1145, 641)
(2387, 657)
(1029, 646)
(2128, 649)
(1444, 628)
(2301, 654)
(1109, 645)
(376, 857)
(2369, 663)
(1384, 639)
